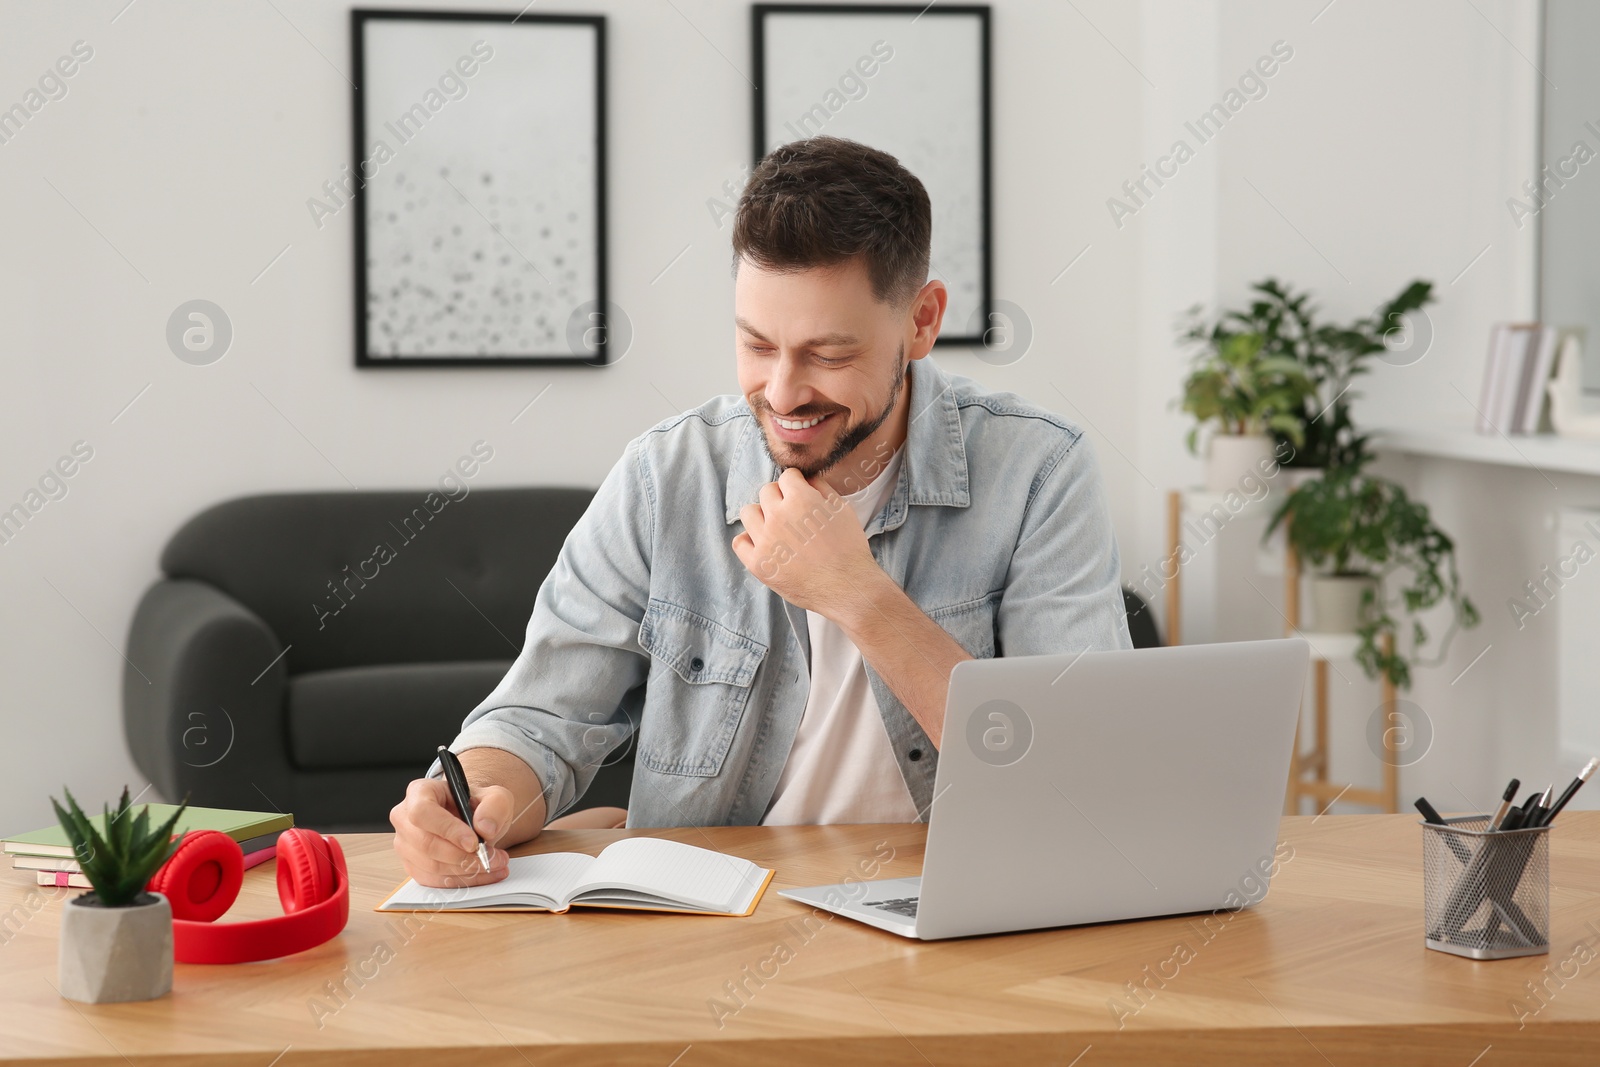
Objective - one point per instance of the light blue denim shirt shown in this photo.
(649, 631)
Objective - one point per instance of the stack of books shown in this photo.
(49, 854)
(1521, 355)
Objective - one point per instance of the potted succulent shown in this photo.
(116, 939)
(1331, 357)
(1361, 531)
(1246, 394)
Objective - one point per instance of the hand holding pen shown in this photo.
(440, 847)
(462, 795)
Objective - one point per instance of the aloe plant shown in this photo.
(119, 864)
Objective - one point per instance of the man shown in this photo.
(895, 520)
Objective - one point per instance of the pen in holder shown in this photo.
(1486, 893)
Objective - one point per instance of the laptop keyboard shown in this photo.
(906, 906)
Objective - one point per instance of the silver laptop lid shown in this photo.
(1098, 786)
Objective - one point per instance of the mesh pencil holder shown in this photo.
(1486, 893)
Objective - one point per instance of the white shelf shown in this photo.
(1544, 452)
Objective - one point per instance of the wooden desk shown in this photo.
(1330, 968)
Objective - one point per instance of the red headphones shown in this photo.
(202, 880)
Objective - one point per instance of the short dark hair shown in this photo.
(820, 201)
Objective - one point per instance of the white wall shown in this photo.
(178, 166)
(1387, 151)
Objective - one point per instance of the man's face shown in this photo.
(821, 361)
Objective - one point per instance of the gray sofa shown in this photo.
(286, 661)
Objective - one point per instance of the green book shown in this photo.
(239, 825)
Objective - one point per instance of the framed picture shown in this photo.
(478, 188)
(912, 80)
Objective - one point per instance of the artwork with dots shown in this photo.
(481, 195)
(914, 84)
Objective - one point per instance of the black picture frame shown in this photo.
(759, 14)
(366, 358)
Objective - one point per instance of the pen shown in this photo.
(1522, 817)
(1517, 818)
(1528, 806)
(1577, 783)
(1516, 856)
(1483, 878)
(1431, 814)
(1542, 812)
(1505, 805)
(463, 797)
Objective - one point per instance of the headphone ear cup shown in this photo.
(305, 869)
(202, 878)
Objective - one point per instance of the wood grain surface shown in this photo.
(1329, 969)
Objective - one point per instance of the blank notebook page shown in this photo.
(681, 872)
(550, 875)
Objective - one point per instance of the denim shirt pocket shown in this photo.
(971, 623)
(707, 671)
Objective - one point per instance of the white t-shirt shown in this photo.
(841, 768)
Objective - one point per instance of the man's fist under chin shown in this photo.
(806, 544)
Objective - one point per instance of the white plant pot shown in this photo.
(1231, 458)
(1336, 601)
(108, 955)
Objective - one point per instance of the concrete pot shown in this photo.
(1232, 458)
(1336, 601)
(108, 955)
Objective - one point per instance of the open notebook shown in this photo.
(646, 873)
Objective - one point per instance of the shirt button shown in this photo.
(697, 664)
(915, 754)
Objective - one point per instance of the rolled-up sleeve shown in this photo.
(1063, 591)
(561, 708)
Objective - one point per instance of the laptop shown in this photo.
(1097, 786)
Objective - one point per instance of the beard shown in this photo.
(848, 441)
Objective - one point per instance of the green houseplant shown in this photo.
(1330, 356)
(1365, 533)
(116, 939)
(1244, 393)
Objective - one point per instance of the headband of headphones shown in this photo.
(202, 880)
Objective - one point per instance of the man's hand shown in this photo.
(805, 544)
(435, 844)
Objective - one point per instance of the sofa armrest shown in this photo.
(203, 699)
